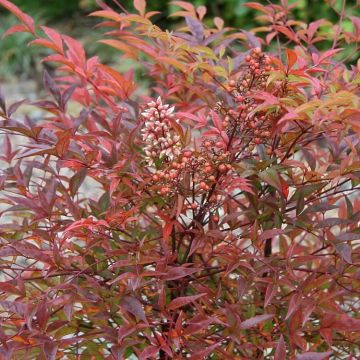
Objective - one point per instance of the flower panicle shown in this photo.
(158, 132)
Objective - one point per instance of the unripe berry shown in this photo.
(155, 178)
(257, 51)
(173, 174)
(203, 185)
(207, 144)
(194, 206)
(222, 168)
(269, 151)
(232, 83)
(215, 218)
(257, 141)
(164, 190)
(208, 169)
(212, 178)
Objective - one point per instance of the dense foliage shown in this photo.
(214, 217)
(19, 60)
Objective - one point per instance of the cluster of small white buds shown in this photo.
(158, 134)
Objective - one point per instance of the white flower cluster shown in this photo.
(158, 133)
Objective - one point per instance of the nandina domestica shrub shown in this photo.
(215, 216)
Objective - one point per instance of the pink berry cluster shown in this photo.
(192, 174)
(161, 140)
(239, 117)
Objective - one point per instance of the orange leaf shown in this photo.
(107, 14)
(291, 57)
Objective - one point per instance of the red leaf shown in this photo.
(249, 323)
(15, 29)
(269, 234)
(280, 352)
(185, 5)
(54, 36)
(271, 290)
(328, 54)
(167, 230)
(313, 355)
(341, 323)
(179, 272)
(140, 6)
(286, 31)
(44, 43)
(356, 22)
(294, 303)
(63, 144)
(197, 326)
(284, 187)
(42, 314)
(202, 354)
(149, 352)
(50, 350)
(133, 306)
(26, 19)
(257, 6)
(8, 288)
(182, 301)
(345, 251)
(75, 51)
(14, 307)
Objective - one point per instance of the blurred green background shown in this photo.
(68, 16)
